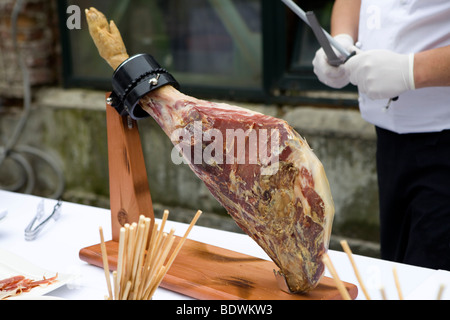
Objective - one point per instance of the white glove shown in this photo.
(335, 77)
(382, 74)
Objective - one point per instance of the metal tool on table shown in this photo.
(38, 223)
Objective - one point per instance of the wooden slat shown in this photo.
(128, 183)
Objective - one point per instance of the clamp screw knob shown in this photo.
(153, 81)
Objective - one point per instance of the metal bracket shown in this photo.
(31, 230)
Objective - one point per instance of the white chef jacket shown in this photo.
(407, 26)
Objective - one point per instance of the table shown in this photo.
(57, 248)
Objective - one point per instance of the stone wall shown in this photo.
(71, 126)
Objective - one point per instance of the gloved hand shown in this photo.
(335, 77)
(381, 74)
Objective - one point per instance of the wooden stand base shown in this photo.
(206, 272)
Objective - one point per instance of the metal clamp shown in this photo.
(133, 79)
(31, 232)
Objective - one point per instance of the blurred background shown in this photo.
(252, 53)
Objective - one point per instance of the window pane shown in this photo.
(209, 43)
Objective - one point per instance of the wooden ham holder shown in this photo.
(200, 271)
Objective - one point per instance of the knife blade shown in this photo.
(3, 213)
(333, 59)
(302, 15)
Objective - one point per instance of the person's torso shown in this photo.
(407, 26)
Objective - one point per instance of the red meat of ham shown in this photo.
(282, 200)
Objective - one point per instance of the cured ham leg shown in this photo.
(270, 182)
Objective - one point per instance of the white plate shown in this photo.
(12, 265)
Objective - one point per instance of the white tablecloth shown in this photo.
(57, 249)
